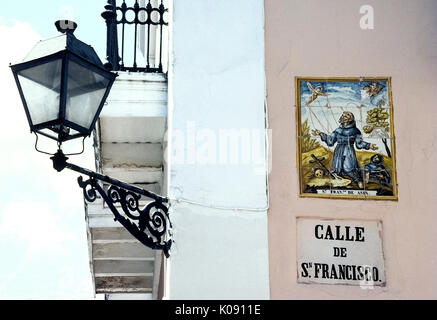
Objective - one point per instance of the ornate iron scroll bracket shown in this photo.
(150, 225)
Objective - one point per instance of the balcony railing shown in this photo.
(143, 33)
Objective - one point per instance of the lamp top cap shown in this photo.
(66, 41)
(66, 26)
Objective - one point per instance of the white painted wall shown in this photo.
(216, 83)
(218, 254)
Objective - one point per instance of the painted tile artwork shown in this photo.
(346, 145)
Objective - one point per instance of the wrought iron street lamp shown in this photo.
(63, 86)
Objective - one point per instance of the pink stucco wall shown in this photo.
(322, 38)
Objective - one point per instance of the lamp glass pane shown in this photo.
(41, 87)
(84, 94)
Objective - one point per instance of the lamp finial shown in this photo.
(66, 26)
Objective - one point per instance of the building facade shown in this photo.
(220, 135)
(321, 39)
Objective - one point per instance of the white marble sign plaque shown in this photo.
(339, 252)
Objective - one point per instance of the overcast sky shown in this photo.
(42, 220)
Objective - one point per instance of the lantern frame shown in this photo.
(81, 54)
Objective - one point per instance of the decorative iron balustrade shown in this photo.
(147, 21)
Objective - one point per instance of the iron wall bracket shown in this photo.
(151, 225)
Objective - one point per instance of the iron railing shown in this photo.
(147, 21)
